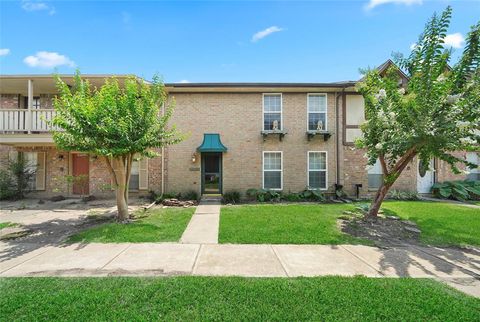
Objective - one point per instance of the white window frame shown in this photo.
(371, 167)
(281, 170)
(473, 170)
(138, 166)
(325, 126)
(326, 170)
(263, 110)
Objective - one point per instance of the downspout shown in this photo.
(163, 158)
(337, 145)
(336, 137)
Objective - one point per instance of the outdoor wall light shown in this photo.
(194, 157)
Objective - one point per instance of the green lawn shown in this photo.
(441, 223)
(6, 224)
(238, 299)
(163, 224)
(284, 224)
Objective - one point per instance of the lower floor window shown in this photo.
(317, 170)
(272, 170)
(375, 175)
(473, 173)
(31, 162)
(134, 182)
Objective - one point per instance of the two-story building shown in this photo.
(281, 136)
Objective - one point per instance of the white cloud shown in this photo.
(184, 81)
(455, 40)
(46, 59)
(264, 33)
(4, 51)
(37, 6)
(375, 3)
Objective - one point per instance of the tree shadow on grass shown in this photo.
(429, 262)
(51, 232)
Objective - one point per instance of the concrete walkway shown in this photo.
(203, 227)
(454, 202)
(460, 269)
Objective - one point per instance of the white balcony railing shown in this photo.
(24, 120)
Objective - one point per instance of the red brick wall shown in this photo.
(8, 101)
(58, 166)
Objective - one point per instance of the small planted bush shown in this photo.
(312, 195)
(457, 190)
(292, 197)
(231, 197)
(262, 195)
(15, 180)
(189, 195)
(402, 195)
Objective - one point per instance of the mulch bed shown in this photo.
(384, 231)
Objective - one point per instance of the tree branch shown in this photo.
(111, 170)
(384, 165)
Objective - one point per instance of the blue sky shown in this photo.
(221, 41)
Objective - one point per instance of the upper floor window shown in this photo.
(272, 170)
(272, 112)
(317, 170)
(473, 173)
(317, 112)
(353, 117)
(35, 102)
(375, 175)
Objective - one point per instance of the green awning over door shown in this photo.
(211, 143)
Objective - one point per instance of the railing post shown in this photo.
(30, 105)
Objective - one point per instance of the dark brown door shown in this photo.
(211, 173)
(80, 173)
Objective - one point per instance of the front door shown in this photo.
(80, 171)
(425, 178)
(211, 173)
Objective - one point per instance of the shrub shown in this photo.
(252, 194)
(402, 195)
(292, 197)
(231, 197)
(6, 184)
(189, 195)
(15, 181)
(263, 195)
(312, 195)
(457, 190)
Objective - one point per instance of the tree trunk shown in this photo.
(377, 201)
(117, 169)
(385, 187)
(122, 206)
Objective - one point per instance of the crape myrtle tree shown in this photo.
(115, 123)
(436, 114)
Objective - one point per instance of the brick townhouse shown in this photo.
(281, 136)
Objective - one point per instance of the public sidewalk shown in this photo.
(460, 269)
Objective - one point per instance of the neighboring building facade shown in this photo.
(287, 137)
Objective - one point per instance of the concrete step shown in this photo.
(211, 199)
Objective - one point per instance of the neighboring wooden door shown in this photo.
(80, 173)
